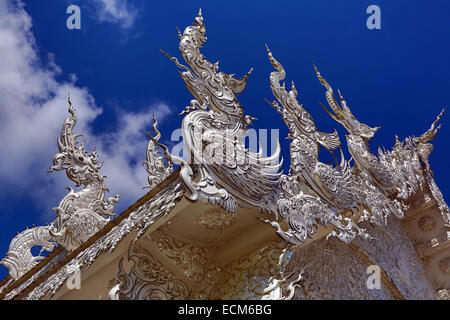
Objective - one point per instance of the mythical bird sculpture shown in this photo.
(213, 129)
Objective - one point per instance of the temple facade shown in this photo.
(226, 223)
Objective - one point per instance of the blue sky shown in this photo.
(396, 77)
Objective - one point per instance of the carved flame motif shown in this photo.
(213, 128)
(79, 215)
(155, 166)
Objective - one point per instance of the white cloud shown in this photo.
(117, 11)
(33, 106)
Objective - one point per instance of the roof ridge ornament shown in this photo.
(313, 191)
(373, 189)
(399, 173)
(79, 215)
(213, 128)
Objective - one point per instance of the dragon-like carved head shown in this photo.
(431, 133)
(298, 120)
(343, 115)
(80, 166)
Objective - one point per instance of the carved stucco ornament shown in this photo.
(223, 172)
(374, 189)
(216, 219)
(149, 279)
(427, 223)
(79, 215)
(213, 129)
(444, 266)
(19, 258)
(259, 275)
(139, 220)
(313, 191)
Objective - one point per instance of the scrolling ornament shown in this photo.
(79, 215)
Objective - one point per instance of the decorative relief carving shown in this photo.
(35, 276)
(187, 257)
(223, 172)
(149, 279)
(193, 261)
(395, 254)
(80, 214)
(216, 219)
(259, 275)
(444, 266)
(331, 271)
(140, 219)
(314, 190)
(427, 223)
(398, 173)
